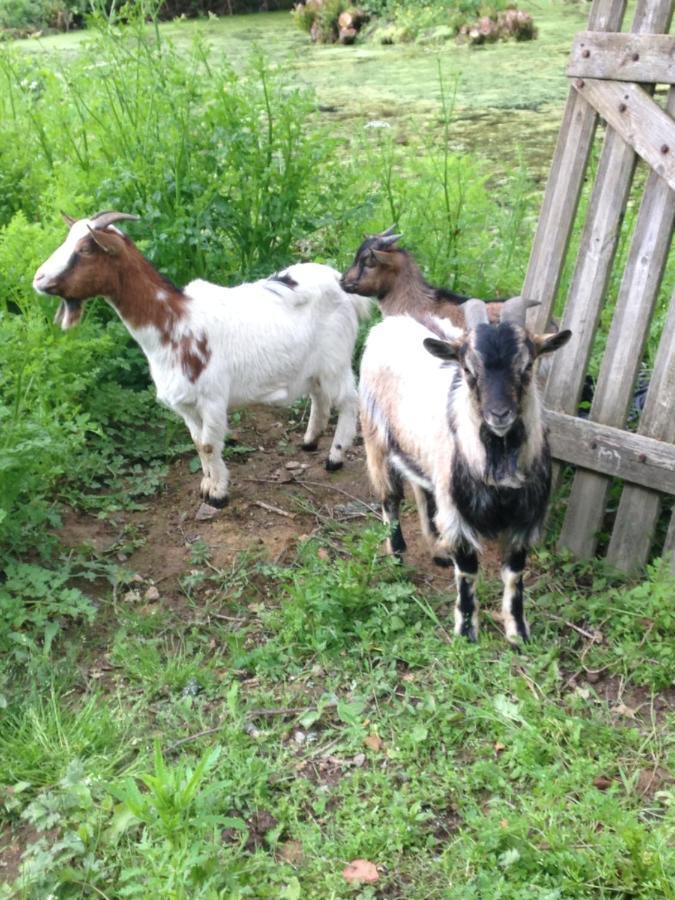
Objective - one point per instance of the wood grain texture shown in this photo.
(598, 242)
(619, 454)
(640, 121)
(625, 345)
(565, 181)
(623, 57)
(669, 546)
(638, 511)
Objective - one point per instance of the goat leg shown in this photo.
(515, 626)
(466, 607)
(391, 506)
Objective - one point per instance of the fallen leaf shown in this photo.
(373, 742)
(504, 823)
(625, 711)
(602, 782)
(322, 553)
(361, 870)
(292, 852)
(499, 747)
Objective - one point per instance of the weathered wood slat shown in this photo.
(564, 183)
(669, 546)
(598, 243)
(636, 458)
(638, 119)
(596, 254)
(623, 57)
(628, 333)
(638, 509)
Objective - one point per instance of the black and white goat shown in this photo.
(467, 435)
(210, 347)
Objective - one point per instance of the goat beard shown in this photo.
(68, 314)
(502, 454)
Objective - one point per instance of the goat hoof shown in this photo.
(469, 632)
(442, 561)
(217, 502)
(333, 466)
(311, 447)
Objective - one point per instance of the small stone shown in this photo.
(359, 760)
(131, 597)
(293, 464)
(299, 737)
(206, 512)
(151, 594)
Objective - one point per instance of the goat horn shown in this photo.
(387, 240)
(107, 217)
(475, 312)
(390, 230)
(69, 220)
(515, 309)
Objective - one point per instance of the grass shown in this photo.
(332, 719)
(501, 112)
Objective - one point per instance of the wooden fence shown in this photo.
(613, 77)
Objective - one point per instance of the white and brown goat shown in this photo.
(211, 348)
(391, 275)
(467, 435)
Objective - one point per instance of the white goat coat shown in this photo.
(268, 343)
(404, 392)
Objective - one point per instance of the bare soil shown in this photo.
(278, 496)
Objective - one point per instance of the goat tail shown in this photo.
(362, 305)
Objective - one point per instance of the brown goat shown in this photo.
(392, 275)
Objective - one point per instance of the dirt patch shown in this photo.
(13, 844)
(279, 495)
(11, 850)
(638, 703)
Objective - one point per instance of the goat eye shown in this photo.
(370, 261)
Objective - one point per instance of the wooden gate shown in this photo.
(613, 76)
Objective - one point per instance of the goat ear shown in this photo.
(383, 257)
(103, 240)
(448, 350)
(547, 343)
(69, 220)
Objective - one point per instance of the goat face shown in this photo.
(374, 269)
(496, 363)
(82, 267)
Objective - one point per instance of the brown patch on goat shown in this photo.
(194, 356)
(394, 277)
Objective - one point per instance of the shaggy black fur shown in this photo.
(491, 509)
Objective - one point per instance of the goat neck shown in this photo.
(142, 296)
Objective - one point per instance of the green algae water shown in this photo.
(507, 97)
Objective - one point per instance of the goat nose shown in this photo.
(501, 414)
(38, 276)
